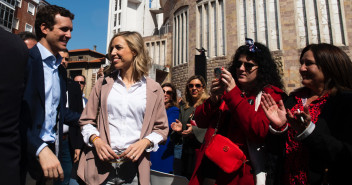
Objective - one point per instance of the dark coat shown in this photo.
(75, 104)
(329, 145)
(13, 59)
(33, 109)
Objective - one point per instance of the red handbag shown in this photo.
(224, 153)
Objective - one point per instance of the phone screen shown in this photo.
(217, 72)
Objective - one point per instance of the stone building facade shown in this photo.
(220, 26)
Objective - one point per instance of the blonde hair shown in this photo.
(189, 101)
(142, 61)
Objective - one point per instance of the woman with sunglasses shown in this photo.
(187, 136)
(124, 119)
(233, 108)
(312, 129)
(162, 160)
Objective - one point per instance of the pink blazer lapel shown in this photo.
(105, 90)
(151, 98)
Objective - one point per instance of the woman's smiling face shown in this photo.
(195, 88)
(121, 54)
(312, 75)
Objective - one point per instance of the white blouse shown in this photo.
(126, 110)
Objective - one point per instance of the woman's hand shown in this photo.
(216, 91)
(227, 80)
(276, 114)
(104, 151)
(188, 131)
(299, 120)
(176, 126)
(135, 150)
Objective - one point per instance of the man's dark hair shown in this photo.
(27, 35)
(46, 15)
(81, 76)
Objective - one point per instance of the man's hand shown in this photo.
(76, 155)
(50, 164)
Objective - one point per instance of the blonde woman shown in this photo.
(131, 118)
(188, 137)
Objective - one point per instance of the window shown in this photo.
(320, 21)
(15, 23)
(180, 37)
(10, 2)
(259, 20)
(80, 58)
(19, 3)
(6, 16)
(157, 51)
(211, 27)
(31, 8)
(29, 27)
(115, 19)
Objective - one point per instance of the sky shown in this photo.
(90, 24)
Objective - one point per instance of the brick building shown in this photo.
(25, 13)
(85, 62)
(220, 26)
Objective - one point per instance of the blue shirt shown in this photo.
(52, 95)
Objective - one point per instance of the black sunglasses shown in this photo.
(192, 85)
(81, 82)
(168, 92)
(247, 66)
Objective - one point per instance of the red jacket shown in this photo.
(239, 121)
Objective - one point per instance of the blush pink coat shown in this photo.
(94, 171)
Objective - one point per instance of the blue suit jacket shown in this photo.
(33, 109)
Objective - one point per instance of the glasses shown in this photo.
(168, 92)
(81, 82)
(247, 66)
(196, 85)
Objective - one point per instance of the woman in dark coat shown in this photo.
(187, 137)
(316, 132)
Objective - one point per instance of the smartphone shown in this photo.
(217, 72)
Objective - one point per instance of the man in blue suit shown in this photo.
(44, 103)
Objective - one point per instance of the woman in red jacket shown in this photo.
(242, 120)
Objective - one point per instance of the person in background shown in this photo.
(44, 100)
(162, 160)
(13, 59)
(29, 38)
(187, 137)
(312, 129)
(233, 110)
(124, 119)
(72, 139)
(81, 80)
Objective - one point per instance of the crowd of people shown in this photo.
(130, 124)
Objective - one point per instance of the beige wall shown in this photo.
(287, 57)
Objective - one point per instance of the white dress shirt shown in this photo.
(126, 110)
